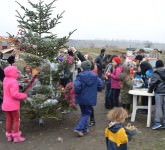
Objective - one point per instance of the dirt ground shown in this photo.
(58, 135)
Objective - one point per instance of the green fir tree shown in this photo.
(42, 47)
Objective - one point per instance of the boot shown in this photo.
(9, 136)
(17, 137)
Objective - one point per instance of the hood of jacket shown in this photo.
(114, 127)
(161, 72)
(11, 72)
(88, 77)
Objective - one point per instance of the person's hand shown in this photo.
(108, 73)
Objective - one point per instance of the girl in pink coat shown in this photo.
(115, 82)
(11, 104)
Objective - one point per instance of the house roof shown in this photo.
(6, 50)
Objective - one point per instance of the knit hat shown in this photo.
(139, 57)
(117, 60)
(159, 63)
(86, 65)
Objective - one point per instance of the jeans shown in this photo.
(85, 114)
(12, 121)
(160, 108)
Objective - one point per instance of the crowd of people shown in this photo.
(111, 72)
(119, 76)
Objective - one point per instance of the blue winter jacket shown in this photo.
(86, 86)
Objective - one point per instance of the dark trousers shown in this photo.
(92, 116)
(114, 98)
(99, 72)
(107, 93)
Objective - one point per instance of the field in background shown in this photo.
(96, 51)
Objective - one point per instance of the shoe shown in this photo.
(79, 133)
(9, 136)
(163, 126)
(91, 123)
(17, 137)
(156, 125)
(86, 132)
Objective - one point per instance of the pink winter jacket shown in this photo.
(11, 94)
(115, 82)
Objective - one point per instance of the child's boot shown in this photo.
(9, 136)
(17, 137)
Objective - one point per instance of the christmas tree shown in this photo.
(46, 96)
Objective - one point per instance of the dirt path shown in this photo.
(46, 138)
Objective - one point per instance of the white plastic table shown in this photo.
(141, 92)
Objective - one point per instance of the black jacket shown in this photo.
(10, 60)
(157, 83)
(2, 75)
(144, 66)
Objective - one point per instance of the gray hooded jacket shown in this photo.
(157, 83)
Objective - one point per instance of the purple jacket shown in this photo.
(115, 82)
(11, 96)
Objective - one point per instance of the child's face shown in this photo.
(28, 69)
(114, 63)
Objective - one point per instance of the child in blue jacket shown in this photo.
(86, 86)
(116, 135)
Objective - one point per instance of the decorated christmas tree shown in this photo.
(43, 70)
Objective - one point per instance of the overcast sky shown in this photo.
(99, 19)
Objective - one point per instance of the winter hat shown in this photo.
(159, 63)
(139, 57)
(86, 65)
(117, 60)
(11, 71)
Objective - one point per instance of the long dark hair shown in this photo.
(113, 56)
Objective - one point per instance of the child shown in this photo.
(92, 121)
(115, 82)
(11, 104)
(116, 135)
(157, 84)
(85, 88)
(126, 83)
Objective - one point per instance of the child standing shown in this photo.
(157, 84)
(86, 86)
(115, 82)
(126, 84)
(116, 135)
(11, 104)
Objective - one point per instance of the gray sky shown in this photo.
(99, 19)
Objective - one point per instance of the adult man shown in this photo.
(99, 62)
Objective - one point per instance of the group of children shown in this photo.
(86, 86)
(120, 82)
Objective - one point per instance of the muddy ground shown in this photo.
(58, 135)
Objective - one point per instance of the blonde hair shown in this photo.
(117, 114)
